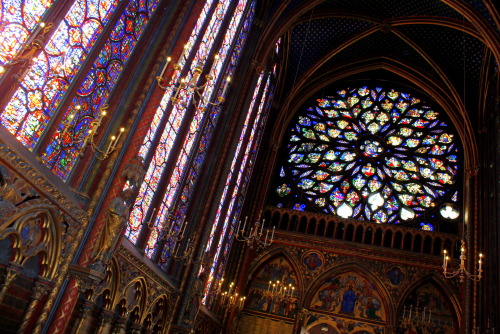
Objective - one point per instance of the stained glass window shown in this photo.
(62, 153)
(179, 181)
(237, 178)
(18, 21)
(46, 81)
(370, 154)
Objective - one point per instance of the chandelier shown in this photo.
(230, 298)
(279, 289)
(189, 86)
(462, 272)
(254, 236)
(412, 320)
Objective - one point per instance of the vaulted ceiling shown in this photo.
(444, 49)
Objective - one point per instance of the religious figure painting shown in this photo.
(349, 294)
(429, 300)
(264, 298)
(313, 260)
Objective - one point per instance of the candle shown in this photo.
(272, 235)
(110, 144)
(262, 227)
(238, 227)
(214, 65)
(269, 287)
(40, 27)
(151, 217)
(181, 85)
(184, 228)
(267, 233)
(118, 137)
(184, 50)
(244, 225)
(225, 86)
(165, 67)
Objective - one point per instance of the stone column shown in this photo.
(11, 272)
(104, 320)
(41, 288)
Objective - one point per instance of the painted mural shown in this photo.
(261, 296)
(427, 301)
(351, 295)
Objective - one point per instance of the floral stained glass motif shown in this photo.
(383, 153)
(190, 140)
(162, 153)
(186, 96)
(18, 20)
(48, 78)
(208, 131)
(241, 175)
(62, 153)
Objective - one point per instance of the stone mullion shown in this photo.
(10, 81)
(206, 119)
(75, 83)
(176, 147)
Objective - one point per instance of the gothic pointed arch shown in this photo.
(432, 299)
(346, 292)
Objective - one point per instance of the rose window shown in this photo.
(371, 154)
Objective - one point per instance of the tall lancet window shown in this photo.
(101, 33)
(183, 124)
(231, 200)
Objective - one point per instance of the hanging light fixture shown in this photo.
(190, 86)
(448, 212)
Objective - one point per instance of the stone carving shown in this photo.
(13, 191)
(115, 221)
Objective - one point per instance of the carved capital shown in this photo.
(134, 171)
(87, 280)
(41, 288)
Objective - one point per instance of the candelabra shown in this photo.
(28, 49)
(412, 319)
(168, 232)
(462, 272)
(280, 289)
(91, 133)
(189, 86)
(230, 298)
(254, 236)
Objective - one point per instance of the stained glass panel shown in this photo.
(48, 78)
(62, 153)
(372, 154)
(18, 20)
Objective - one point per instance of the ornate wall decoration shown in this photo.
(396, 275)
(340, 325)
(260, 296)
(429, 302)
(350, 294)
(313, 260)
